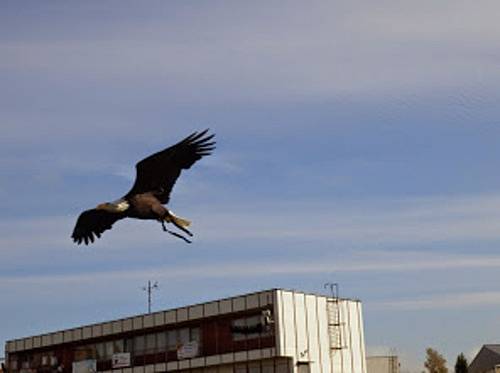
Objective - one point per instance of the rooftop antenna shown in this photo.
(149, 289)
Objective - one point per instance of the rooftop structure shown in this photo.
(382, 364)
(487, 360)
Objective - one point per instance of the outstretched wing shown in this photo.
(92, 223)
(158, 172)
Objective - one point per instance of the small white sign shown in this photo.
(187, 350)
(120, 360)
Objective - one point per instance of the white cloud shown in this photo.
(411, 221)
(305, 50)
(444, 301)
(447, 219)
(367, 261)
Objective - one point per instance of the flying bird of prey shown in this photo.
(155, 178)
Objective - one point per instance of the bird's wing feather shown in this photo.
(92, 223)
(158, 173)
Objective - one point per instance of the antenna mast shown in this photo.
(150, 289)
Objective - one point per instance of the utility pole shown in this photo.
(149, 289)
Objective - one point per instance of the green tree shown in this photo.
(461, 364)
(435, 362)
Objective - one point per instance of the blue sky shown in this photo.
(357, 143)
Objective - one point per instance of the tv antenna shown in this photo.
(150, 289)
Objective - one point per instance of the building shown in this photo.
(382, 364)
(273, 331)
(487, 360)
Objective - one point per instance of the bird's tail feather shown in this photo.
(179, 221)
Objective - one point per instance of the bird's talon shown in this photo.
(177, 235)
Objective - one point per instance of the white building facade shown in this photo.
(325, 334)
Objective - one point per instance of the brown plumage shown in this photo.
(156, 176)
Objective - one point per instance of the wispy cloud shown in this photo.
(416, 221)
(444, 301)
(335, 49)
(367, 261)
(412, 220)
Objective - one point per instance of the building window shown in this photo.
(128, 345)
(183, 336)
(85, 352)
(13, 363)
(178, 337)
(195, 334)
(150, 346)
(139, 344)
(172, 340)
(100, 351)
(161, 341)
(251, 327)
(53, 361)
(237, 325)
(108, 350)
(105, 350)
(37, 360)
(256, 323)
(118, 346)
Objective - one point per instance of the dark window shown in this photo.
(161, 341)
(139, 344)
(150, 345)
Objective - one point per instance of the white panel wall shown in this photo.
(324, 339)
(289, 329)
(302, 333)
(311, 310)
(347, 337)
(351, 358)
(357, 336)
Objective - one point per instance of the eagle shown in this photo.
(155, 178)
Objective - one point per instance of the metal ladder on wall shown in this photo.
(335, 323)
(393, 364)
